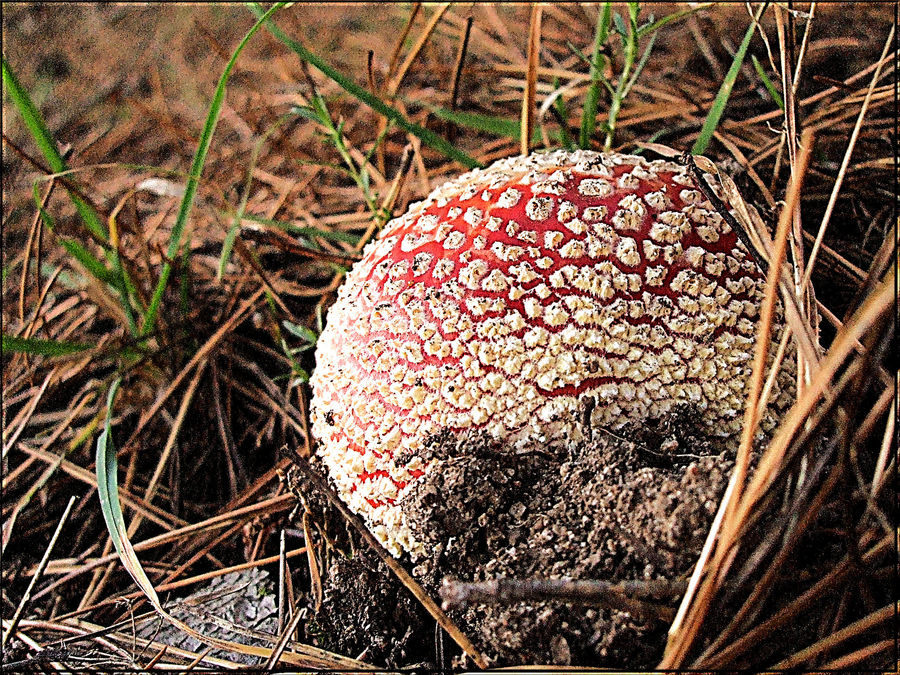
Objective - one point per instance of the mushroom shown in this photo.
(520, 299)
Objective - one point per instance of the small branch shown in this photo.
(722, 209)
(626, 596)
(534, 48)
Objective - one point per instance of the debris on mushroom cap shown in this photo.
(514, 294)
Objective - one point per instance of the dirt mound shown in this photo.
(609, 508)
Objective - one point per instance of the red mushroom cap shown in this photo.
(513, 292)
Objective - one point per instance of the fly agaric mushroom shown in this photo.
(514, 294)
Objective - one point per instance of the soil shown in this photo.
(635, 505)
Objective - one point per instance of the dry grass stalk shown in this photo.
(528, 100)
(11, 626)
(846, 160)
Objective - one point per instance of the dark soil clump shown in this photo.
(607, 509)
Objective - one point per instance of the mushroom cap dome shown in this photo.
(513, 294)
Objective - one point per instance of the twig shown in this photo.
(283, 639)
(722, 209)
(534, 47)
(626, 596)
(395, 55)
(370, 69)
(288, 245)
(35, 229)
(281, 564)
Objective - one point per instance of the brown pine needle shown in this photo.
(835, 192)
(855, 629)
(17, 615)
(458, 66)
(393, 85)
(395, 55)
(822, 479)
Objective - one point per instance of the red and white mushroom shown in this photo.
(512, 294)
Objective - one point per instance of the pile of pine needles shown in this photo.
(181, 199)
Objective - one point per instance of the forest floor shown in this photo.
(188, 269)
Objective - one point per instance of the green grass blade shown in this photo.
(303, 230)
(97, 269)
(562, 115)
(589, 114)
(77, 250)
(301, 332)
(428, 137)
(44, 140)
(490, 124)
(654, 26)
(640, 65)
(721, 100)
(496, 126)
(228, 244)
(193, 180)
(767, 83)
(108, 490)
(21, 345)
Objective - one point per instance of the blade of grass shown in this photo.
(228, 244)
(108, 491)
(562, 118)
(304, 230)
(47, 145)
(107, 488)
(721, 100)
(628, 36)
(193, 180)
(115, 255)
(39, 347)
(640, 66)
(428, 137)
(589, 115)
(654, 26)
(42, 137)
(88, 260)
(767, 83)
(496, 126)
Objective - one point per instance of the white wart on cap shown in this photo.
(512, 294)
